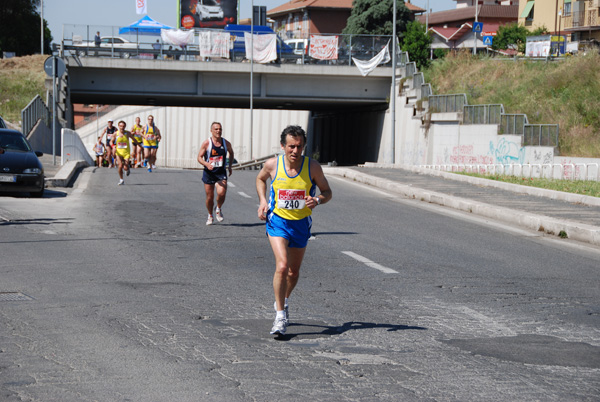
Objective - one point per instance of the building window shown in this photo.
(567, 9)
(297, 23)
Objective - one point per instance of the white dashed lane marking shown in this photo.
(243, 194)
(370, 263)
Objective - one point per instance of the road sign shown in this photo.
(60, 66)
(478, 27)
(488, 33)
(487, 40)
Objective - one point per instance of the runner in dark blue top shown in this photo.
(213, 156)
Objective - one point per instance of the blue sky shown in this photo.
(122, 12)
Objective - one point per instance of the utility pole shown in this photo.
(251, 78)
(42, 25)
(393, 97)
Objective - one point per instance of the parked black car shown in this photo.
(20, 168)
(2, 123)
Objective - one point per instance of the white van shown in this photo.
(299, 45)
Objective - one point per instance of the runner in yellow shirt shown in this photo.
(152, 137)
(138, 139)
(120, 143)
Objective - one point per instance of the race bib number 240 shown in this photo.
(291, 199)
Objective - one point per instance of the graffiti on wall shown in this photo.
(543, 157)
(507, 152)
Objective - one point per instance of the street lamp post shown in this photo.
(474, 32)
(42, 25)
(393, 97)
(251, 78)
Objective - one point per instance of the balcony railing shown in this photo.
(579, 19)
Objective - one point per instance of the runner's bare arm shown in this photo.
(231, 156)
(319, 178)
(261, 186)
(201, 155)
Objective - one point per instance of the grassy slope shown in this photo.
(21, 79)
(564, 92)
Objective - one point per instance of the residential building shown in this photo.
(300, 18)
(453, 29)
(581, 19)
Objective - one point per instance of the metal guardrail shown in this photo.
(78, 40)
(513, 124)
(34, 111)
(447, 103)
(252, 164)
(482, 114)
(411, 68)
(556, 171)
(425, 91)
(541, 135)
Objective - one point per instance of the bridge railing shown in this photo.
(79, 40)
(34, 111)
(482, 114)
(447, 103)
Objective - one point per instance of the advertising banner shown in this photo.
(214, 44)
(206, 13)
(324, 47)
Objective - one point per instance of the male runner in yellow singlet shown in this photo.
(138, 140)
(120, 143)
(152, 137)
(288, 213)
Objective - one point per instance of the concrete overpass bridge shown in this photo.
(95, 80)
(347, 110)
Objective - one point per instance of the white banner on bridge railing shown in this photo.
(214, 44)
(365, 67)
(177, 37)
(265, 47)
(323, 47)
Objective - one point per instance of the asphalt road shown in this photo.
(123, 293)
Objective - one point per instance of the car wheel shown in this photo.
(81, 53)
(126, 55)
(37, 194)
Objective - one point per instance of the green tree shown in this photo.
(20, 27)
(511, 34)
(417, 42)
(375, 17)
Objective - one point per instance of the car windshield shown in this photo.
(13, 142)
(208, 2)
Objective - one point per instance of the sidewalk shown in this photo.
(547, 210)
(57, 175)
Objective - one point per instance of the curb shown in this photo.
(65, 174)
(552, 226)
(515, 188)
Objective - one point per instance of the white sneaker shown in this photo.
(209, 220)
(285, 308)
(219, 215)
(121, 182)
(153, 166)
(279, 326)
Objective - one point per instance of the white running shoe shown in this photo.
(153, 166)
(285, 308)
(121, 182)
(219, 215)
(209, 220)
(279, 326)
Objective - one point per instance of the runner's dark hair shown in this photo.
(216, 122)
(294, 131)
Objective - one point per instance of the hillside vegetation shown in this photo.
(564, 92)
(21, 79)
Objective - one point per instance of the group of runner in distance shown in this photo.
(287, 210)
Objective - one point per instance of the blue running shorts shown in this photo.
(296, 233)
